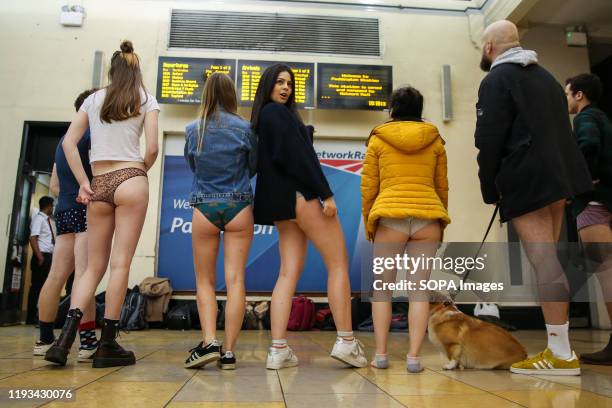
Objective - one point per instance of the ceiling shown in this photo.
(596, 15)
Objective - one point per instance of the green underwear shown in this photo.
(221, 213)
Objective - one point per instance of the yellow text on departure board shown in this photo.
(224, 69)
(174, 84)
(251, 75)
(356, 85)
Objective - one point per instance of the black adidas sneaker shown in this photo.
(227, 361)
(202, 355)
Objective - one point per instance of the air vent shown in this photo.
(284, 33)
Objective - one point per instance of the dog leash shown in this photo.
(453, 294)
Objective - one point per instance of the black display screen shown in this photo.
(249, 72)
(364, 87)
(180, 80)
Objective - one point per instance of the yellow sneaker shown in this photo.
(546, 363)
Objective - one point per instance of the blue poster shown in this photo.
(175, 260)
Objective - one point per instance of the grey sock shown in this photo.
(413, 365)
(381, 361)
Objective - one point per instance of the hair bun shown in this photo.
(127, 47)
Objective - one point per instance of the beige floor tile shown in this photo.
(19, 365)
(569, 398)
(243, 368)
(122, 395)
(588, 381)
(155, 372)
(341, 401)
(226, 405)
(425, 383)
(58, 378)
(501, 380)
(465, 401)
(209, 388)
(318, 380)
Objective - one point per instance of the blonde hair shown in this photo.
(219, 93)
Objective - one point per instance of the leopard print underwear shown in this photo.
(105, 185)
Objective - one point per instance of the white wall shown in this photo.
(45, 66)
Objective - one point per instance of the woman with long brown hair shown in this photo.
(116, 199)
(220, 149)
(293, 194)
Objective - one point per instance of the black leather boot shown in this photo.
(58, 353)
(110, 353)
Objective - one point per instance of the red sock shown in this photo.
(91, 325)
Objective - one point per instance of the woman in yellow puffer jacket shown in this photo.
(404, 191)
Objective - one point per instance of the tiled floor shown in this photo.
(158, 379)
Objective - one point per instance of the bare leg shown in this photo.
(292, 247)
(597, 240)
(423, 242)
(131, 199)
(80, 265)
(387, 244)
(537, 231)
(100, 228)
(237, 240)
(205, 242)
(327, 236)
(62, 266)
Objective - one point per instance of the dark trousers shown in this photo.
(39, 276)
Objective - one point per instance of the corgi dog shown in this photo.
(468, 342)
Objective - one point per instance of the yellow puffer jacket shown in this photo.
(404, 174)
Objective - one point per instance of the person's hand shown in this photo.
(85, 193)
(329, 207)
(41, 259)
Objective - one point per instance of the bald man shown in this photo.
(529, 164)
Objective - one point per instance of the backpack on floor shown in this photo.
(221, 315)
(179, 317)
(302, 314)
(399, 322)
(250, 321)
(360, 311)
(133, 311)
(262, 311)
(324, 320)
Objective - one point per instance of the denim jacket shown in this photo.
(228, 158)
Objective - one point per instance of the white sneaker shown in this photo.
(41, 348)
(281, 358)
(349, 352)
(86, 356)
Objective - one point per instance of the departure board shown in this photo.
(180, 80)
(249, 73)
(365, 87)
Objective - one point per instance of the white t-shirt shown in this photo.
(118, 140)
(41, 227)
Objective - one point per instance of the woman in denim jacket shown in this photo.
(221, 151)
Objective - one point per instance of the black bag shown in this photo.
(133, 311)
(250, 321)
(62, 311)
(179, 317)
(221, 315)
(194, 315)
(360, 311)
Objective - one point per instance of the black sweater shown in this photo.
(528, 157)
(287, 163)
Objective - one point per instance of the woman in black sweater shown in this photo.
(292, 194)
